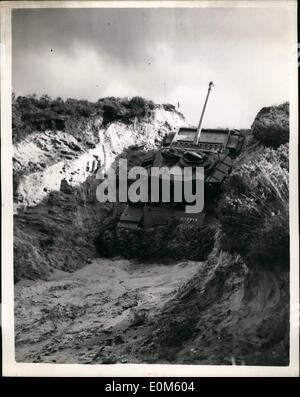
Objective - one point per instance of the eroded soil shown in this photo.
(100, 313)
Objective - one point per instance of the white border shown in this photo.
(10, 367)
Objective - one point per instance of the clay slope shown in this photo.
(57, 214)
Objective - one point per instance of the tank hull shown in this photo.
(214, 152)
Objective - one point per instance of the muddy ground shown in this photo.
(117, 311)
(96, 314)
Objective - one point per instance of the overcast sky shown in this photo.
(167, 55)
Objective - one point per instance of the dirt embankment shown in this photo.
(57, 213)
(43, 159)
(225, 315)
(115, 311)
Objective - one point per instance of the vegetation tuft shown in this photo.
(254, 212)
(271, 125)
(30, 113)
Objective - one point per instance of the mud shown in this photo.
(119, 311)
(99, 314)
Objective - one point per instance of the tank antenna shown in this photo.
(198, 133)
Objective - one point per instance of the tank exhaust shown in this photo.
(198, 133)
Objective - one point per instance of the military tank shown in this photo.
(148, 230)
(212, 149)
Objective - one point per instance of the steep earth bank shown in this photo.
(220, 311)
(43, 159)
(57, 212)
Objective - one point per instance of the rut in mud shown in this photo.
(101, 313)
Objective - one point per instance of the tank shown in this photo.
(212, 149)
(164, 230)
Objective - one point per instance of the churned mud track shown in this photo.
(98, 314)
(216, 312)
